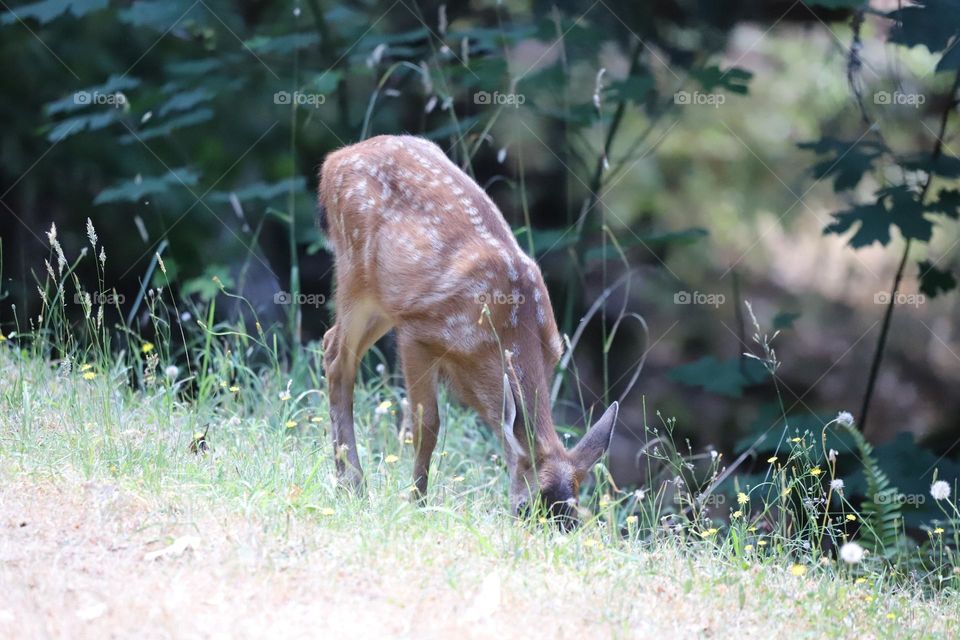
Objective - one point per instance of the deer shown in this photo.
(420, 248)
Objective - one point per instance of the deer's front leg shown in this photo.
(420, 373)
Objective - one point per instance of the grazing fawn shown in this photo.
(421, 248)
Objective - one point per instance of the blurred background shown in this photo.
(664, 161)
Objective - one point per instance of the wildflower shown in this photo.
(89, 375)
(172, 371)
(709, 532)
(234, 389)
(290, 424)
(859, 580)
(382, 408)
(284, 396)
(327, 511)
(454, 478)
(604, 502)
(632, 520)
(851, 553)
(761, 543)
(736, 514)
(798, 569)
(836, 485)
(796, 440)
(938, 531)
(316, 420)
(3, 338)
(891, 616)
(589, 542)
(816, 471)
(940, 490)
(748, 547)
(146, 347)
(832, 455)
(771, 459)
(851, 517)
(845, 419)
(391, 459)
(86, 367)
(743, 498)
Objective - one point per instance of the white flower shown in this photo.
(851, 553)
(172, 371)
(845, 419)
(837, 485)
(940, 490)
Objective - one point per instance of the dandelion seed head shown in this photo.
(940, 490)
(851, 553)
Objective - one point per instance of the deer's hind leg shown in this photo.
(359, 325)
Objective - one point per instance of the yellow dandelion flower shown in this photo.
(938, 531)
(742, 498)
(408, 439)
(457, 479)
(891, 616)
(771, 459)
(199, 435)
(859, 580)
(816, 471)
(316, 420)
(761, 543)
(86, 367)
(391, 459)
(89, 375)
(234, 389)
(290, 424)
(327, 511)
(632, 519)
(709, 532)
(748, 547)
(798, 570)
(796, 440)
(146, 347)
(542, 520)
(736, 514)
(284, 396)
(851, 517)
(752, 529)
(384, 406)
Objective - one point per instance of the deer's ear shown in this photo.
(596, 441)
(508, 418)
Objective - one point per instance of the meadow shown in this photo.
(142, 498)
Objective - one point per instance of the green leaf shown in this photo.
(184, 101)
(685, 237)
(726, 378)
(931, 24)
(86, 122)
(48, 10)
(84, 98)
(265, 45)
(947, 203)
(204, 285)
(168, 127)
(634, 89)
(162, 15)
(262, 191)
(734, 79)
(134, 190)
(933, 281)
(849, 161)
(785, 320)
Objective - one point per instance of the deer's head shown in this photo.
(544, 476)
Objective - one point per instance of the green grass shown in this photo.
(66, 426)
